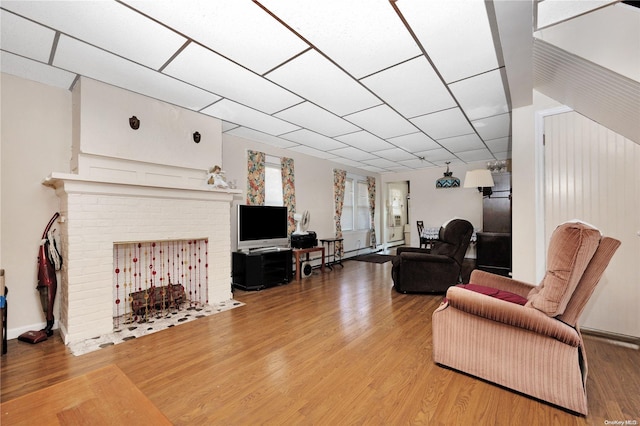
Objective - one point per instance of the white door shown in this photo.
(593, 174)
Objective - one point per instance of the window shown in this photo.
(363, 219)
(273, 182)
(355, 211)
(346, 219)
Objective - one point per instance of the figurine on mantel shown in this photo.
(216, 178)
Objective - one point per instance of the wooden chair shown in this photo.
(423, 241)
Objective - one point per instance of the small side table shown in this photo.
(331, 252)
(297, 252)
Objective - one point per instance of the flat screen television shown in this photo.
(262, 226)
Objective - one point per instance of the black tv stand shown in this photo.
(260, 269)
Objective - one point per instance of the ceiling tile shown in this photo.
(226, 126)
(25, 38)
(373, 169)
(313, 152)
(443, 124)
(438, 156)
(75, 56)
(316, 79)
(245, 116)
(482, 95)
(345, 31)
(462, 143)
(210, 71)
(493, 127)
(257, 136)
(414, 142)
(502, 155)
(382, 121)
(395, 154)
(238, 29)
(412, 88)
(398, 167)
(456, 35)
(108, 25)
(314, 140)
(317, 119)
(475, 155)
(380, 162)
(353, 153)
(499, 145)
(36, 71)
(416, 163)
(365, 141)
(347, 162)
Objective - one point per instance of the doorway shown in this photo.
(396, 212)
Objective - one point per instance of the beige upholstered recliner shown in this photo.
(527, 337)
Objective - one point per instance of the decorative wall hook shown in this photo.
(196, 137)
(134, 122)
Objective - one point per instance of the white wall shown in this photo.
(434, 206)
(165, 135)
(313, 181)
(525, 223)
(36, 140)
(608, 36)
(38, 126)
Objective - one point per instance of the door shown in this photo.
(592, 174)
(396, 211)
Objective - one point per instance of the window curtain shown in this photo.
(339, 178)
(255, 178)
(371, 187)
(289, 191)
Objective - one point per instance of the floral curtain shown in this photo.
(371, 187)
(289, 191)
(339, 178)
(255, 178)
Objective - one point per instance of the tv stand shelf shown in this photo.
(257, 270)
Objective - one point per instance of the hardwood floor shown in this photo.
(336, 348)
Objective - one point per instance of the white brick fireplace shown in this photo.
(98, 213)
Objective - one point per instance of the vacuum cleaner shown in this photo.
(49, 261)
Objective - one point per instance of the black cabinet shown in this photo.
(494, 252)
(261, 269)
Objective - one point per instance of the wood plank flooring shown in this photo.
(102, 397)
(336, 348)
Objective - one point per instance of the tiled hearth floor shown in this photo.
(154, 324)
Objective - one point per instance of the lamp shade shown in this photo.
(479, 178)
(448, 180)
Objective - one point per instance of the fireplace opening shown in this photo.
(158, 279)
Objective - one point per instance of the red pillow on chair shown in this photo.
(493, 292)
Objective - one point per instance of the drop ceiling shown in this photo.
(380, 85)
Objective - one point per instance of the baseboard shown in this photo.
(13, 333)
(630, 341)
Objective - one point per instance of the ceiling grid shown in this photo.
(383, 86)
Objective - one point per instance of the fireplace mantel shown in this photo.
(73, 183)
(98, 213)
